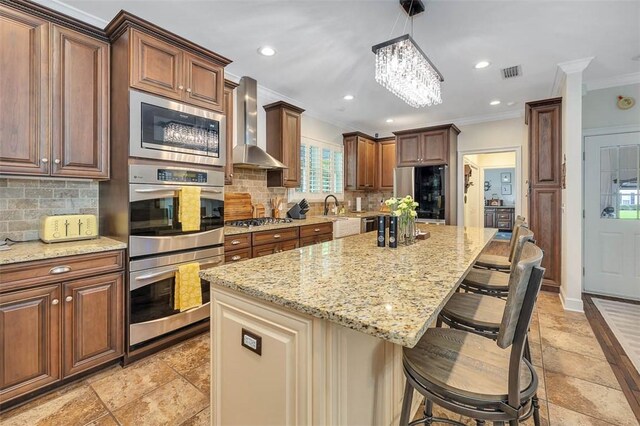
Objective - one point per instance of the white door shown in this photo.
(612, 221)
(472, 198)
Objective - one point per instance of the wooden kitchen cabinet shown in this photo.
(272, 248)
(498, 217)
(284, 135)
(229, 87)
(265, 237)
(157, 61)
(544, 119)
(80, 93)
(93, 322)
(360, 159)
(30, 340)
(315, 234)
(429, 146)
(54, 108)
(24, 88)
(386, 163)
(59, 317)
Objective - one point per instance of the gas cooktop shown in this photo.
(257, 222)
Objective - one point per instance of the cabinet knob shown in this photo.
(276, 236)
(230, 174)
(59, 270)
(55, 301)
(44, 160)
(189, 89)
(57, 161)
(316, 230)
(236, 257)
(181, 87)
(68, 298)
(235, 242)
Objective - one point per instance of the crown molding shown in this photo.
(619, 80)
(73, 12)
(568, 67)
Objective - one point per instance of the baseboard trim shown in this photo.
(570, 304)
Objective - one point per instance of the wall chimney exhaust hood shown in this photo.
(247, 154)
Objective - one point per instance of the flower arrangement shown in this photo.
(405, 210)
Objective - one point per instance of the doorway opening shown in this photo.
(490, 192)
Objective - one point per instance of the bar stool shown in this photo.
(491, 282)
(498, 262)
(474, 376)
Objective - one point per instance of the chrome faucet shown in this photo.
(326, 209)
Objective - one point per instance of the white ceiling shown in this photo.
(324, 49)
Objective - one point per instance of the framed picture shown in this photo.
(505, 177)
(506, 189)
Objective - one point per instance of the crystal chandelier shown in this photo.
(404, 69)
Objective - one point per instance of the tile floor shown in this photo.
(577, 386)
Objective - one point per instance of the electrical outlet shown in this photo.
(252, 341)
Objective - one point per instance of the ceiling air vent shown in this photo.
(511, 72)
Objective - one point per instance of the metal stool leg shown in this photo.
(406, 404)
(534, 399)
(428, 412)
(480, 422)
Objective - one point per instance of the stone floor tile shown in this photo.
(568, 322)
(544, 415)
(200, 377)
(186, 356)
(560, 416)
(130, 383)
(536, 353)
(570, 342)
(437, 412)
(170, 404)
(103, 373)
(589, 398)
(200, 419)
(107, 420)
(77, 406)
(583, 367)
(542, 388)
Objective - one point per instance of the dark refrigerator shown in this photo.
(428, 187)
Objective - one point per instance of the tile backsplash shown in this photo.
(255, 183)
(23, 201)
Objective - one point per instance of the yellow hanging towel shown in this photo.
(188, 292)
(189, 210)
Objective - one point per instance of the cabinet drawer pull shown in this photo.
(317, 230)
(235, 242)
(55, 301)
(68, 298)
(59, 270)
(276, 236)
(236, 257)
(189, 89)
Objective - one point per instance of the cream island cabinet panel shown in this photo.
(310, 371)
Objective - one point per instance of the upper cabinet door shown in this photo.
(371, 164)
(386, 164)
(434, 148)
(408, 150)
(204, 83)
(157, 66)
(80, 125)
(350, 161)
(24, 93)
(291, 131)
(545, 146)
(361, 162)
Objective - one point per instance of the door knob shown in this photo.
(189, 89)
(44, 160)
(181, 87)
(57, 161)
(68, 298)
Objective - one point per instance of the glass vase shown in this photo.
(406, 230)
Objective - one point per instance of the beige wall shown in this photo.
(599, 107)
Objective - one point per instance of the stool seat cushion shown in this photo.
(475, 310)
(487, 278)
(493, 261)
(466, 364)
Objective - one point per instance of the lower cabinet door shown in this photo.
(315, 239)
(29, 340)
(93, 322)
(267, 249)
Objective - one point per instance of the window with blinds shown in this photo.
(321, 171)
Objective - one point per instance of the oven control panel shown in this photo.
(174, 175)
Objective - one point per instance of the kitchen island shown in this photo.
(315, 335)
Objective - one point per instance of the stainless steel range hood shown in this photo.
(247, 154)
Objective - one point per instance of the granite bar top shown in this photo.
(235, 230)
(37, 250)
(392, 294)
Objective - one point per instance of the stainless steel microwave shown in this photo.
(167, 130)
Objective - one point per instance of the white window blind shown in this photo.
(321, 170)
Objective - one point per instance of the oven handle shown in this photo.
(167, 272)
(145, 191)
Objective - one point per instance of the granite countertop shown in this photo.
(392, 294)
(235, 230)
(37, 250)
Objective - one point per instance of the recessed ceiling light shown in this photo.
(496, 102)
(267, 51)
(389, 120)
(511, 103)
(482, 64)
(348, 97)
